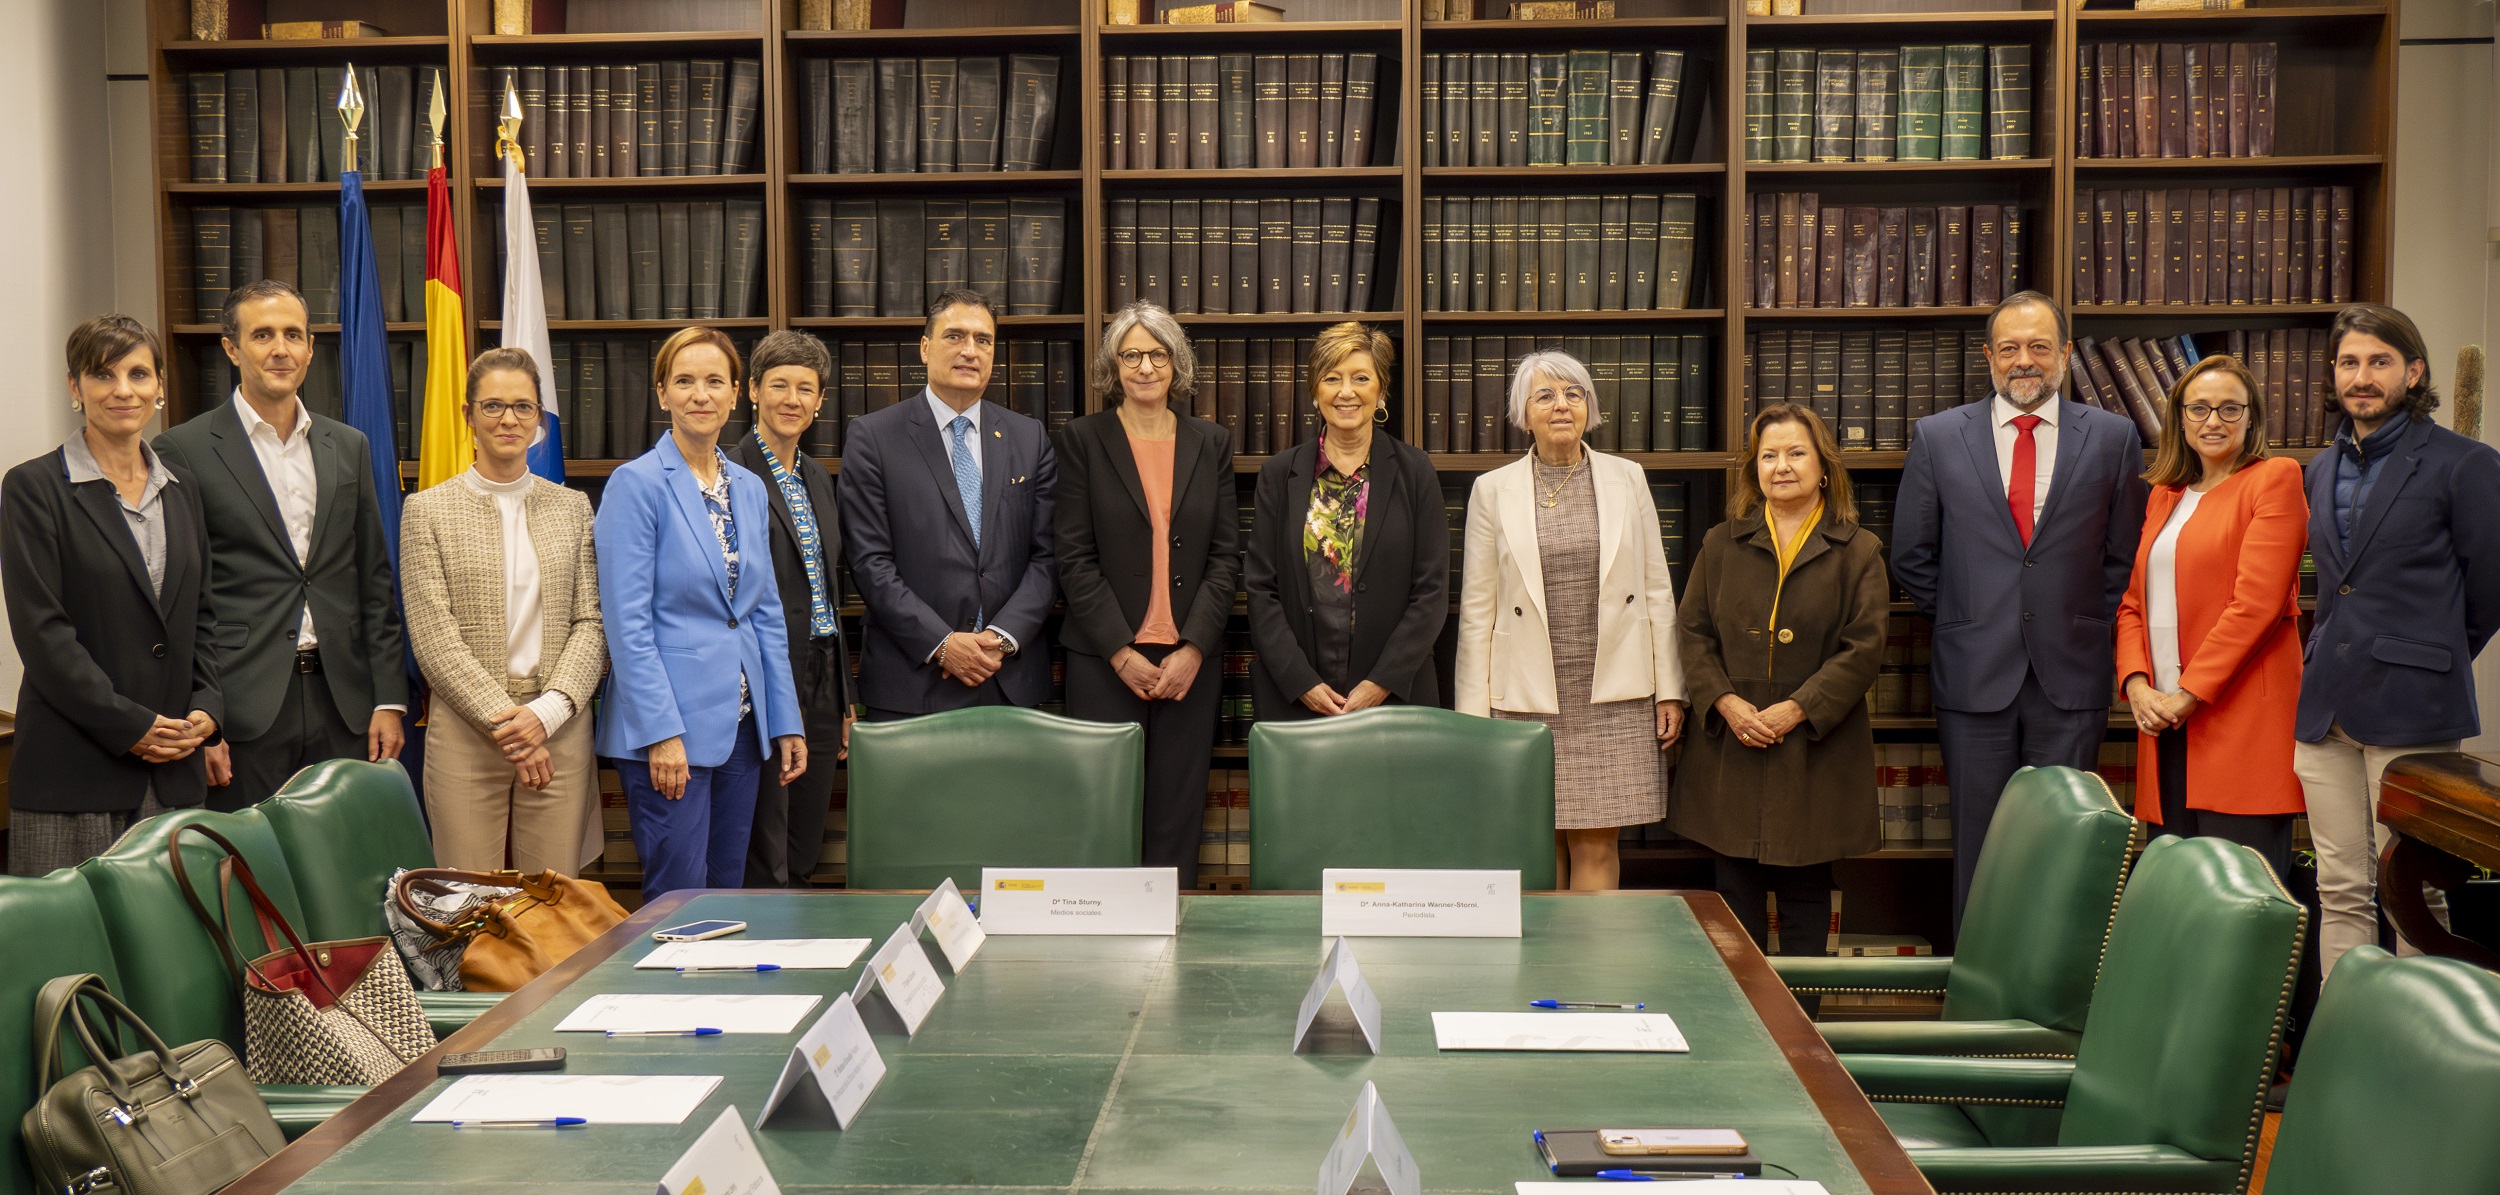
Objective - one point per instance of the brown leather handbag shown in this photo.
(518, 938)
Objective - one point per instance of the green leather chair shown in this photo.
(2168, 1089)
(1400, 786)
(947, 794)
(2399, 1083)
(2019, 982)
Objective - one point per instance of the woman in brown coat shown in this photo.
(1783, 630)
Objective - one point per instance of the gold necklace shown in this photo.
(1554, 495)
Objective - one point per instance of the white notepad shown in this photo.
(599, 1099)
(793, 954)
(1637, 1032)
(729, 1014)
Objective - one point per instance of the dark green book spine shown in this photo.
(1676, 216)
(586, 421)
(1857, 391)
(937, 116)
(1036, 254)
(742, 266)
(1640, 279)
(1239, 144)
(1835, 105)
(1591, 75)
(1792, 126)
(1693, 417)
(303, 125)
(708, 227)
(1759, 109)
(1965, 102)
(946, 257)
(1623, 108)
(212, 261)
(1613, 250)
(1514, 109)
(208, 126)
(1433, 236)
(1632, 433)
(581, 262)
(1920, 108)
(978, 89)
(816, 270)
(989, 254)
(853, 257)
(2009, 102)
(610, 236)
(1305, 255)
(1879, 73)
(650, 121)
(1547, 127)
(1582, 227)
(1605, 362)
(1428, 92)
(1661, 107)
(320, 262)
(674, 88)
(742, 88)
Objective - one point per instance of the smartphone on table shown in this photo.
(1626, 1143)
(697, 931)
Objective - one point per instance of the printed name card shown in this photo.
(948, 919)
(723, 1161)
(1081, 900)
(903, 983)
(1368, 1150)
(1377, 902)
(1340, 974)
(835, 1059)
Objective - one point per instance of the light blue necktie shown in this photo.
(967, 477)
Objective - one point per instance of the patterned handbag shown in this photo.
(319, 1013)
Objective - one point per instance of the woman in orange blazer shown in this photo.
(2208, 638)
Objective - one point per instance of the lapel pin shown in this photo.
(998, 435)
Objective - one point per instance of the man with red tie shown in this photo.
(2014, 534)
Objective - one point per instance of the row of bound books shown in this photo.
(299, 245)
(894, 257)
(1901, 682)
(1809, 252)
(1909, 104)
(1869, 385)
(1243, 256)
(1224, 830)
(282, 124)
(1561, 108)
(619, 261)
(2254, 245)
(638, 120)
(928, 115)
(2175, 100)
(1913, 803)
(2294, 374)
(1259, 388)
(1560, 252)
(1675, 529)
(1239, 111)
(1654, 393)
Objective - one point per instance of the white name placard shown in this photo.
(899, 976)
(723, 1161)
(948, 919)
(1377, 902)
(1368, 1149)
(1341, 974)
(836, 1058)
(1080, 900)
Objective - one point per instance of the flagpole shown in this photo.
(524, 307)
(444, 445)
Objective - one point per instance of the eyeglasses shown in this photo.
(494, 409)
(1546, 400)
(1130, 358)
(2230, 412)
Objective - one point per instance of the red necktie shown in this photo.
(2026, 468)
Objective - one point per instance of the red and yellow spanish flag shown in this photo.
(444, 447)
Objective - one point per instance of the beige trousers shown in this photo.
(2339, 780)
(477, 805)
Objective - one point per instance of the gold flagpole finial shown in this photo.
(508, 130)
(352, 112)
(434, 117)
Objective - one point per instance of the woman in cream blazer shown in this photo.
(502, 590)
(1567, 616)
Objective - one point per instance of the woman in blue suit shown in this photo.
(686, 589)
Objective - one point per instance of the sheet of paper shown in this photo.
(792, 954)
(1632, 1032)
(1340, 973)
(839, 1057)
(1080, 900)
(723, 1161)
(729, 1014)
(1369, 1145)
(945, 915)
(1695, 1186)
(599, 1099)
(1381, 902)
(900, 974)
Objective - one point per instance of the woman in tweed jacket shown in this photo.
(502, 590)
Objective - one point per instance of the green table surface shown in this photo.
(1148, 1064)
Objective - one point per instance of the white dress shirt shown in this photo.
(2161, 594)
(2001, 413)
(946, 451)
(287, 464)
(524, 634)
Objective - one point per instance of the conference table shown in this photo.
(1159, 1064)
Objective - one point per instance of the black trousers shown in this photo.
(788, 836)
(307, 731)
(1805, 901)
(2268, 834)
(1982, 752)
(1179, 736)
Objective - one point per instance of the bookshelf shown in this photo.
(2335, 127)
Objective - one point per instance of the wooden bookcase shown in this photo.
(2336, 125)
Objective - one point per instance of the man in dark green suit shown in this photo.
(300, 579)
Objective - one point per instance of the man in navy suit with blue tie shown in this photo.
(946, 513)
(2014, 534)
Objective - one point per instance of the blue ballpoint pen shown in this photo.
(664, 1033)
(740, 967)
(553, 1122)
(1635, 1176)
(1626, 1176)
(1585, 1004)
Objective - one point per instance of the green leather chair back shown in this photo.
(2041, 902)
(1400, 786)
(172, 975)
(993, 786)
(345, 825)
(2189, 1011)
(49, 927)
(2399, 1082)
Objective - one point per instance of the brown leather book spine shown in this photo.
(1858, 252)
(1892, 257)
(1953, 266)
(1987, 254)
(2339, 246)
(1144, 105)
(2175, 253)
(2300, 255)
(2263, 271)
(2192, 85)
(1766, 240)
(2278, 369)
(2279, 262)
(2109, 240)
(1786, 291)
(2122, 75)
(2218, 245)
(2139, 401)
(2261, 107)
(1115, 112)
(2147, 100)
(2131, 244)
(1809, 247)
(2217, 100)
(2173, 63)
(2321, 203)
(1828, 288)
(2087, 96)
(2105, 97)
(2288, 425)
(2086, 238)
(2156, 247)
(1919, 280)
(2242, 243)
(2196, 247)
(2242, 102)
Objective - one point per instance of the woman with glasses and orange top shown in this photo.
(2208, 635)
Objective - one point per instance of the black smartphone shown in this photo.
(497, 1062)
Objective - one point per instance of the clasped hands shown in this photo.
(523, 740)
(1168, 681)
(972, 656)
(1761, 728)
(173, 738)
(2156, 711)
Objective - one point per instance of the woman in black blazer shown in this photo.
(1346, 605)
(1149, 552)
(103, 562)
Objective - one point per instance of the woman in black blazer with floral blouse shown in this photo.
(1349, 563)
